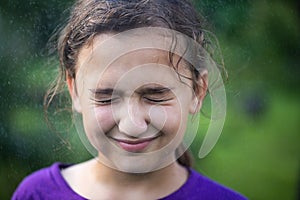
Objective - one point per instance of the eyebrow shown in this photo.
(147, 90)
(154, 90)
(106, 91)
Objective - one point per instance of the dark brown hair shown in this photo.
(93, 17)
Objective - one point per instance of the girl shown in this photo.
(135, 71)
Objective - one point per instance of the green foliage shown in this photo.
(258, 156)
(258, 151)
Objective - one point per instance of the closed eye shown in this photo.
(156, 95)
(106, 101)
(154, 100)
(104, 96)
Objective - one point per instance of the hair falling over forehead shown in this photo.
(90, 18)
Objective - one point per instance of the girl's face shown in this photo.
(134, 107)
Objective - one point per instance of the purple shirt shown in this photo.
(48, 183)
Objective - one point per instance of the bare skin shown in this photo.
(93, 180)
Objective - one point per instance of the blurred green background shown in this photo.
(258, 153)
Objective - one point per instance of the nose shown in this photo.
(133, 118)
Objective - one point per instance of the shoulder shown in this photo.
(212, 189)
(200, 187)
(46, 183)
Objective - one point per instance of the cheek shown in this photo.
(104, 117)
(173, 121)
(177, 117)
(98, 120)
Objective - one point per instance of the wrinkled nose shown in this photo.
(133, 119)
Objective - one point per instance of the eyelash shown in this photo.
(105, 102)
(157, 100)
(109, 101)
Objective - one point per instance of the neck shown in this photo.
(105, 172)
(157, 183)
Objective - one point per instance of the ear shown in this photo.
(199, 92)
(73, 93)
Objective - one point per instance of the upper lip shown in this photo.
(136, 141)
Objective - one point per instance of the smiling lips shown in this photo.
(134, 145)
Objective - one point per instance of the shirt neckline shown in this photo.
(60, 180)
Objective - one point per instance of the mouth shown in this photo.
(135, 146)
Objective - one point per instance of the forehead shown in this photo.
(114, 62)
(108, 48)
(122, 52)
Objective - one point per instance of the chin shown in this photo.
(145, 163)
(136, 165)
